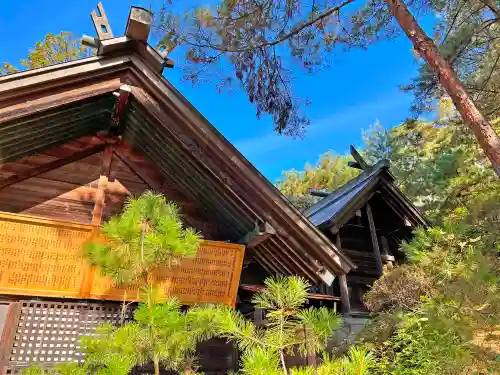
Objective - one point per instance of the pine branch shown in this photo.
(276, 42)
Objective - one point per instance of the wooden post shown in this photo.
(100, 197)
(8, 334)
(373, 233)
(344, 291)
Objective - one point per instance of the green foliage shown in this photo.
(111, 350)
(467, 34)
(358, 361)
(149, 233)
(439, 166)
(328, 174)
(53, 49)
(258, 45)
(437, 331)
(160, 333)
(64, 369)
(377, 143)
(289, 328)
(401, 289)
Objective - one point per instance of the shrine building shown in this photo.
(78, 139)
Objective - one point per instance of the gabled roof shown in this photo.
(46, 107)
(339, 206)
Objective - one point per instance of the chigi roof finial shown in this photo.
(359, 162)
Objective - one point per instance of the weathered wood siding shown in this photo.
(69, 192)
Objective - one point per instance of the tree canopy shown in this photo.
(53, 49)
(468, 35)
(261, 40)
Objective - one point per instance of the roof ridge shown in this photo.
(348, 186)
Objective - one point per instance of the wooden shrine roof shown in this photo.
(47, 107)
(341, 205)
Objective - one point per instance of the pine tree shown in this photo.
(147, 235)
(289, 329)
(261, 38)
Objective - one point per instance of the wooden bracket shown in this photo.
(260, 234)
(120, 109)
(101, 23)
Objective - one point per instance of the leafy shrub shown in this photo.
(435, 328)
(401, 289)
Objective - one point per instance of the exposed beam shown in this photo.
(373, 234)
(344, 290)
(50, 166)
(261, 233)
(37, 105)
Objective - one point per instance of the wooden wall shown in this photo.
(69, 191)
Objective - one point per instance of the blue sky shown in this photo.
(359, 88)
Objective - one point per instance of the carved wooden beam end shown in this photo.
(139, 24)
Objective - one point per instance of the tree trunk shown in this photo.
(157, 366)
(283, 364)
(486, 136)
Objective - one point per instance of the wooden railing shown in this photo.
(40, 257)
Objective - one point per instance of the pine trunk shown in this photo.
(425, 47)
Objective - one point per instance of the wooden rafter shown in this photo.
(50, 166)
(30, 93)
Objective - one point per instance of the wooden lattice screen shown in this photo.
(49, 332)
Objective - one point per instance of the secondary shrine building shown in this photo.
(79, 138)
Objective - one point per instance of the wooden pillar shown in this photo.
(344, 291)
(100, 195)
(373, 233)
(8, 334)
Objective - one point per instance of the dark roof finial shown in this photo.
(359, 162)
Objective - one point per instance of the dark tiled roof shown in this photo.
(355, 193)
